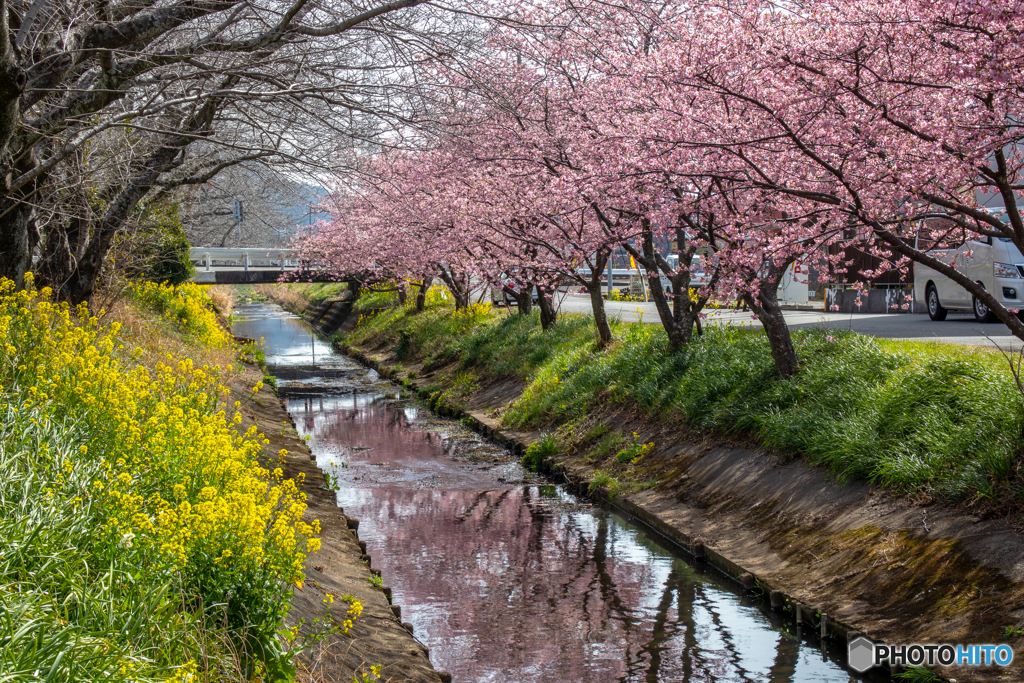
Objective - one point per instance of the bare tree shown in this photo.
(102, 104)
(273, 204)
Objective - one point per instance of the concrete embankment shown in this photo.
(341, 567)
(844, 559)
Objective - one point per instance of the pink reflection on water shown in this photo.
(514, 583)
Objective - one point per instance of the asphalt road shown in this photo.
(955, 329)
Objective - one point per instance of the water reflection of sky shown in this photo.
(287, 339)
(509, 581)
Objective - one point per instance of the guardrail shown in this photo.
(625, 275)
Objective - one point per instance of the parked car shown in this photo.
(996, 264)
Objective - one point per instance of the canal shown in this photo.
(506, 577)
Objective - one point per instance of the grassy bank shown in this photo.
(141, 537)
(924, 420)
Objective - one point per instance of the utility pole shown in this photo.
(238, 223)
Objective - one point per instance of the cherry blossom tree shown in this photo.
(761, 132)
(899, 116)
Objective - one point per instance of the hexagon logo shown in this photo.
(861, 654)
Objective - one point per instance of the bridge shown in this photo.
(246, 265)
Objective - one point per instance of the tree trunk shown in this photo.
(461, 296)
(18, 239)
(421, 294)
(458, 285)
(679, 318)
(19, 234)
(766, 307)
(593, 285)
(604, 332)
(546, 304)
(403, 296)
(63, 245)
(81, 283)
(56, 262)
(524, 299)
(12, 83)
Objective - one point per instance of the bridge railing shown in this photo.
(216, 258)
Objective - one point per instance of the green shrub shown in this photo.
(158, 250)
(169, 259)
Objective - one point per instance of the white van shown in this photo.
(996, 264)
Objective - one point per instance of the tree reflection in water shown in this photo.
(519, 582)
(504, 578)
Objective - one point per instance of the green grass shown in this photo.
(504, 345)
(369, 300)
(616, 487)
(916, 417)
(917, 674)
(320, 291)
(608, 444)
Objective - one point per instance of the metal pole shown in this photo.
(643, 285)
(610, 257)
(913, 279)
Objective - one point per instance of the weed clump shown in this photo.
(539, 451)
(634, 452)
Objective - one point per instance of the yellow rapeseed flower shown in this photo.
(181, 484)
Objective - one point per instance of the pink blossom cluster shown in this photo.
(758, 133)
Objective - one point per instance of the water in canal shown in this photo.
(506, 577)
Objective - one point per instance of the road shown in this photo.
(956, 329)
